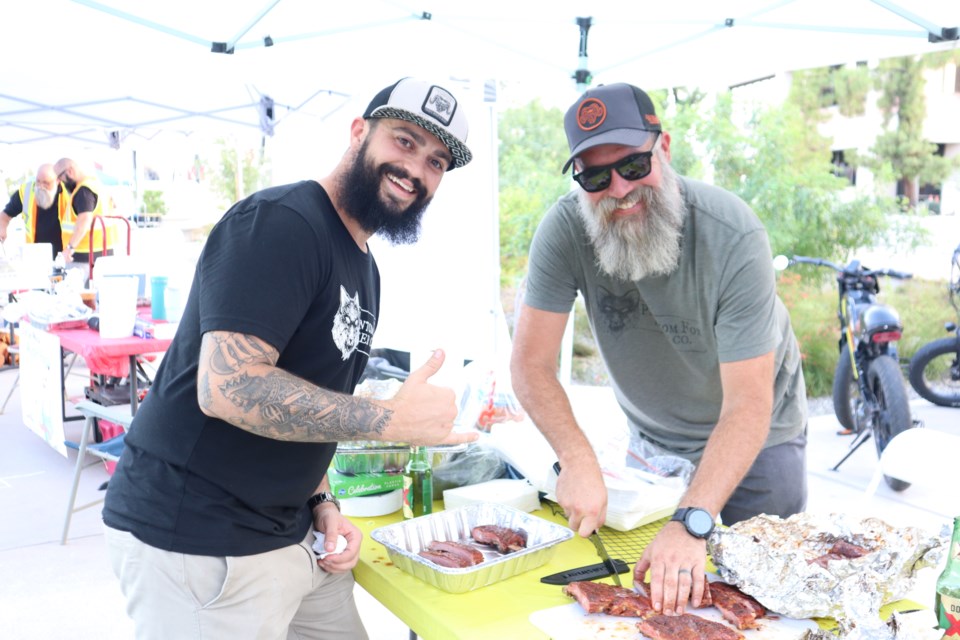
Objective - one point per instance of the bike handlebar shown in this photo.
(852, 269)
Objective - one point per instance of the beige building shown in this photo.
(942, 127)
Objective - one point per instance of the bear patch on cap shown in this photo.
(429, 106)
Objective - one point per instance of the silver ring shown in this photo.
(686, 571)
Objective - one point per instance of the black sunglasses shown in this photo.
(633, 167)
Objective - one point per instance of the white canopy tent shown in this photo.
(101, 71)
(125, 73)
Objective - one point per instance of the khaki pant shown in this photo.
(277, 595)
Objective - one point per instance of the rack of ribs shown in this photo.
(599, 597)
(685, 627)
(503, 538)
(454, 555)
(841, 550)
(736, 606)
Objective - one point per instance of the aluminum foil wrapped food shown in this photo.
(826, 565)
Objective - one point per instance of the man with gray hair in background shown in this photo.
(679, 287)
(42, 204)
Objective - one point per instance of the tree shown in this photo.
(153, 202)
(241, 171)
(902, 147)
(532, 150)
(774, 159)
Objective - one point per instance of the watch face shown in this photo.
(699, 522)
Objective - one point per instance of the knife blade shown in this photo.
(605, 557)
(598, 543)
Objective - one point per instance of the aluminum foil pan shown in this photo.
(384, 457)
(404, 540)
(772, 559)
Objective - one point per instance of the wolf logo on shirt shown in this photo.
(347, 324)
(618, 311)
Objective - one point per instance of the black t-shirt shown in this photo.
(281, 266)
(48, 220)
(84, 200)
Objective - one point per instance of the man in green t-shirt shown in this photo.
(679, 287)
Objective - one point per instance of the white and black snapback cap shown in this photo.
(429, 106)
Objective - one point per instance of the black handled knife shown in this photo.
(601, 548)
(589, 572)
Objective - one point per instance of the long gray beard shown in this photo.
(642, 245)
(45, 198)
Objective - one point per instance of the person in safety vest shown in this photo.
(43, 204)
(84, 203)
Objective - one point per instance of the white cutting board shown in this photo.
(569, 622)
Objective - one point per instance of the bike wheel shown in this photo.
(845, 392)
(893, 415)
(935, 372)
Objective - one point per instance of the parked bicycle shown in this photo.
(935, 368)
(869, 393)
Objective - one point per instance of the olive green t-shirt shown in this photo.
(663, 338)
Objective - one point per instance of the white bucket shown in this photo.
(117, 305)
(121, 265)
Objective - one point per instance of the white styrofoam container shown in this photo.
(518, 494)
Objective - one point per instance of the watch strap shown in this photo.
(320, 498)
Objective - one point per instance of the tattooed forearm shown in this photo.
(204, 394)
(280, 406)
(235, 350)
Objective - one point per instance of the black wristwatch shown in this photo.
(320, 498)
(699, 522)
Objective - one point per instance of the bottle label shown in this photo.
(949, 615)
(407, 497)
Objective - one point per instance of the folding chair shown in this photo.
(108, 450)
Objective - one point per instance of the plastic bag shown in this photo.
(474, 465)
(647, 458)
(487, 398)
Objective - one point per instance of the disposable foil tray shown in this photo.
(384, 457)
(404, 540)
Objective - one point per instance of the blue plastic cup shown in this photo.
(158, 285)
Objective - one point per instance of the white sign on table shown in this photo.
(41, 395)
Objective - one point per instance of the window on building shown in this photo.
(841, 168)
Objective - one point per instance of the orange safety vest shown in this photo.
(28, 202)
(68, 225)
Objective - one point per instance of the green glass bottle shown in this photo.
(417, 484)
(948, 588)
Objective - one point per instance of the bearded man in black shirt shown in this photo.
(211, 509)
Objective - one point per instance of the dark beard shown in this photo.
(360, 198)
(69, 184)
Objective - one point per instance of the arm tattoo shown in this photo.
(280, 406)
(233, 351)
(205, 396)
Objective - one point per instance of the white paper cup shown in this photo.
(117, 305)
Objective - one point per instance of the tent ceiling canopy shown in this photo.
(101, 71)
